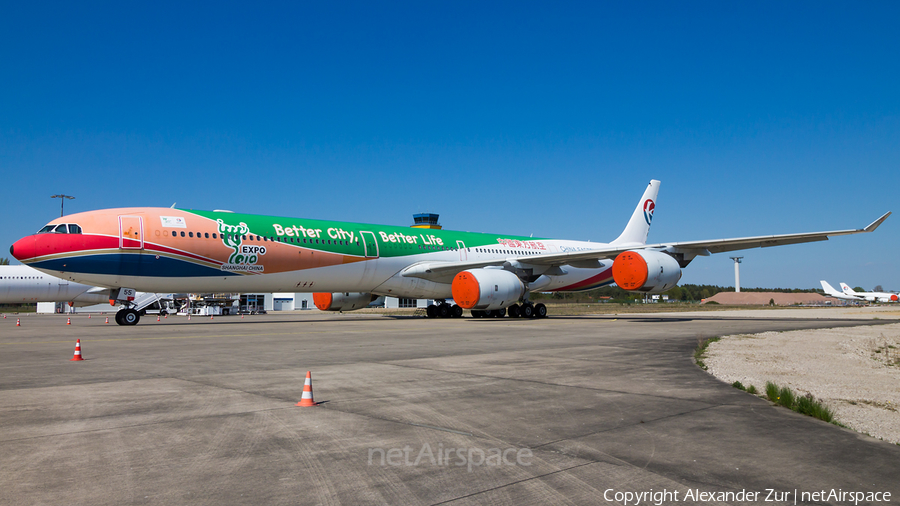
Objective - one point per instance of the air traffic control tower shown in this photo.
(426, 220)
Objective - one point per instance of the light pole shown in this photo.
(737, 273)
(62, 199)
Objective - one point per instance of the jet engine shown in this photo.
(342, 301)
(646, 271)
(487, 289)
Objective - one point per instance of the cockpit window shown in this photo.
(64, 228)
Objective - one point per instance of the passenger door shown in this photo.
(131, 232)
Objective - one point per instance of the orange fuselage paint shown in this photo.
(466, 290)
(630, 270)
(322, 300)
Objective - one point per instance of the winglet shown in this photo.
(872, 226)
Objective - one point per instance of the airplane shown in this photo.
(20, 284)
(831, 292)
(870, 296)
(346, 264)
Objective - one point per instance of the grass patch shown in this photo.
(786, 397)
(700, 352)
(772, 392)
(806, 404)
(749, 389)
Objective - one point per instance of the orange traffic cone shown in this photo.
(89, 317)
(157, 317)
(107, 319)
(189, 317)
(242, 316)
(77, 351)
(17, 323)
(210, 317)
(68, 321)
(307, 398)
(167, 315)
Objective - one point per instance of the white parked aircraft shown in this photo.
(870, 296)
(831, 292)
(20, 284)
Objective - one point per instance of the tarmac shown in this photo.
(564, 410)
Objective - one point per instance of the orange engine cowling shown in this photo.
(342, 301)
(646, 271)
(487, 289)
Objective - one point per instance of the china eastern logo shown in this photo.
(245, 256)
(649, 206)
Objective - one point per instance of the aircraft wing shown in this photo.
(443, 272)
(702, 247)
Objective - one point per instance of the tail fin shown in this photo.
(639, 225)
(847, 290)
(829, 290)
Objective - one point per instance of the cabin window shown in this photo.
(190, 234)
(74, 229)
(182, 233)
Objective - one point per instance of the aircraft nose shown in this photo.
(23, 249)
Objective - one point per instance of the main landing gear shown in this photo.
(527, 310)
(443, 310)
(128, 316)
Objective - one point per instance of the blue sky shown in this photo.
(520, 118)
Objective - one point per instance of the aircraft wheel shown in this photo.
(431, 311)
(500, 313)
(513, 311)
(526, 311)
(443, 310)
(487, 314)
(119, 317)
(540, 310)
(130, 317)
(456, 311)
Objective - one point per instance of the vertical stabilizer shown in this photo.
(847, 290)
(639, 225)
(829, 290)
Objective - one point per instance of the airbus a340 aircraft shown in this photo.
(346, 264)
(870, 296)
